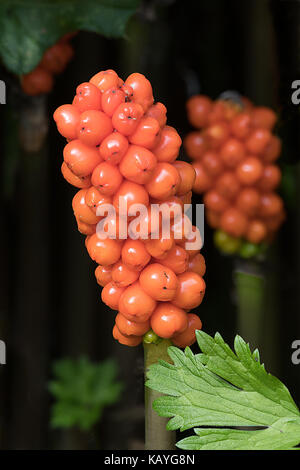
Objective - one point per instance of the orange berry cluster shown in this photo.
(121, 149)
(234, 153)
(53, 62)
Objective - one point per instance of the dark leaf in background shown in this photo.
(28, 28)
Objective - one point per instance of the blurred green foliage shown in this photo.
(82, 390)
(28, 28)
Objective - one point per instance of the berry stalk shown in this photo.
(156, 435)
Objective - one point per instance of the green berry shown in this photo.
(226, 244)
(249, 250)
(151, 337)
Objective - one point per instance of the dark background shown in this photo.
(50, 304)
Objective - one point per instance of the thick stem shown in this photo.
(256, 292)
(249, 292)
(156, 435)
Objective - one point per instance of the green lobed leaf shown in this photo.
(283, 435)
(29, 27)
(222, 388)
(82, 390)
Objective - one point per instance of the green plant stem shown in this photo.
(256, 292)
(156, 435)
(249, 290)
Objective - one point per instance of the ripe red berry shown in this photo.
(107, 178)
(113, 148)
(66, 118)
(127, 117)
(80, 158)
(111, 99)
(88, 97)
(93, 127)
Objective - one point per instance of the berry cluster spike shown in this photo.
(234, 151)
(121, 155)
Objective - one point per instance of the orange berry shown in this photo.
(197, 264)
(129, 328)
(227, 185)
(126, 340)
(271, 205)
(164, 181)
(158, 111)
(135, 255)
(167, 320)
(195, 144)
(81, 210)
(192, 243)
(176, 259)
(142, 90)
(159, 282)
(105, 252)
(214, 201)
(138, 164)
(130, 193)
(74, 180)
(147, 133)
(263, 117)
(241, 125)
(111, 294)
(111, 99)
(188, 337)
(168, 146)
(190, 290)
(85, 229)
(105, 79)
(187, 176)
(56, 57)
(181, 228)
(159, 248)
(113, 226)
(217, 112)
(249, 171)
(256, 232)
(198, 109)
(122, 275)
(234, 222)
(135, 304)
(37, 82)
(270, 178)
(95, 199)
(258, 140)
(217, 134)
(232, 152)
(88, 97)
(107, 178)
(66, 118)
(272, 150)
(173, 203)
(80, 158)
(113, 148)
(127, 117)
(93, 127)
(212, 163)
(203, 181)
(187, 198)
(213, 218)
(103, 274)
(248, 201)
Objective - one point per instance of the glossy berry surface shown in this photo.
(121, 155)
